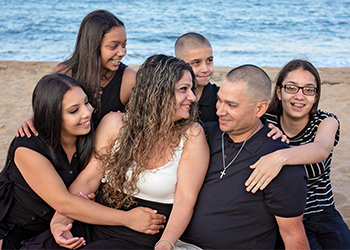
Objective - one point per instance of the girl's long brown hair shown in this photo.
(85, 62)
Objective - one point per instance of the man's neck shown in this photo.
(246, 135)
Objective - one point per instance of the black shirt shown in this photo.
(110, 98)
(207, 103)
(226, 216)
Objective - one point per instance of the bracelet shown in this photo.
(172, 244)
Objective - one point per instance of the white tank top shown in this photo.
(159, 184)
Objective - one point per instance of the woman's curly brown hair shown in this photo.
(149, 124)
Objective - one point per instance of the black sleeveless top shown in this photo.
(20, 206)
(110, 98)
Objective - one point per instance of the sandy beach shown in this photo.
(17, 81)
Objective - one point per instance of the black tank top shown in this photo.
(110, 98)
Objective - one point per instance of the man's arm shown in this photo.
(293, 232)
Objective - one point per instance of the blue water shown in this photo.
(261, 32)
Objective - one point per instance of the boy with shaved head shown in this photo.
(196, 50)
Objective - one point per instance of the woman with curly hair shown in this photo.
(155, 156)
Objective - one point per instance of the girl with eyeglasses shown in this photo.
(294, 110)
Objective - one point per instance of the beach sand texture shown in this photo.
(18, 79)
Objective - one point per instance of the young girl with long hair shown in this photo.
(62, 115)
(39, 169)
(313, 134)
(96, 63)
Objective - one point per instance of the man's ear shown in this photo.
(261, 108)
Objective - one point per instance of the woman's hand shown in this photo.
(63, 236)
(265, 170)
(277, 133)
(26, 127)
(145, 220)
(90, 196)
(164, 245)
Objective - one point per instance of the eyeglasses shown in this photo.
(293, 89)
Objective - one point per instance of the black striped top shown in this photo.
(319, 189)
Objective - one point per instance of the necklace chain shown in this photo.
(223, 172)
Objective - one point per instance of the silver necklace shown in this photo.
(223, 172)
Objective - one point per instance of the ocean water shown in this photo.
(261, 32)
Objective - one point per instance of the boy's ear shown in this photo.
(261, 108)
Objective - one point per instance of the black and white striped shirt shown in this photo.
(319, 189)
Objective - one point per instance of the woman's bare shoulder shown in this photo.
(194, 130)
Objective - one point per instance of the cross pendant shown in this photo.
(222, 173)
